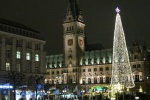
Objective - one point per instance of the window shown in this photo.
(18, 68)
(136, 78)
(135, 56)
(89, 70)
(8, 41)
(138, 65)
(95, 69)
(107, 79)
(89, 80)
(101, 79)
(83, 70)
(57, 72)
(52, 72)
(47, 73)
(7, 66)
(100, 69)
(18, 55)
(18, 43)
(37, 47)
(107, 68)
(28, 45)
(27, 56)
(37, 69)
(37, 57)
(134, 66)
(8, 53)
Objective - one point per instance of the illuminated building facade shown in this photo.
(91, 68)
(22, 58)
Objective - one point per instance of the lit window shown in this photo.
(27, 56)
(18, 67)
(36, 57)
(7, 66)
(18, 55)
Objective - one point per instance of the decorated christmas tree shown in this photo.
(121, 71)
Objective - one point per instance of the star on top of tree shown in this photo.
(117, 10)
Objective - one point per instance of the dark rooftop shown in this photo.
(91, 47)
(16, 24)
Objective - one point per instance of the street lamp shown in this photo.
(82, 93)
(64, 91)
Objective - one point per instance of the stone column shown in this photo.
(33, 58)
(23, 56)
(13, 61)
(3, 54)
(42, 59)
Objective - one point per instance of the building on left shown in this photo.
(22, 61)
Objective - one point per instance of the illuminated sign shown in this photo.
(6, 87)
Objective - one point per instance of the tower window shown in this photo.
(138, 65)
(28, 45)
(135, 56)
(18, 55)
(136, 78)
(134, 66)
(7, 66)
(28, 56)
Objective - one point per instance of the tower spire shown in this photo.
(121, 70)
(74, 11)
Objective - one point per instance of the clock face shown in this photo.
(70, 42)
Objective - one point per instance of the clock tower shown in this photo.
(73, 29)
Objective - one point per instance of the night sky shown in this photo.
(46, 16)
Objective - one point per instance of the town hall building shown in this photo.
(91, 68)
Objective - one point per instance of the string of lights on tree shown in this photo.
(121, 71)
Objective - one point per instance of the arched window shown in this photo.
(101, 79)
(95, 80)
(89, 80)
